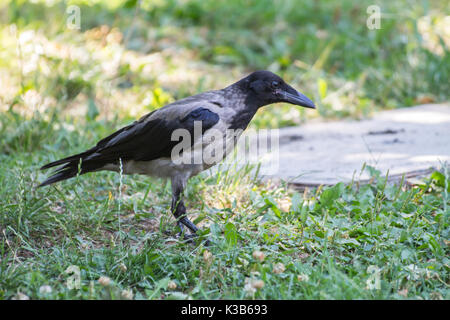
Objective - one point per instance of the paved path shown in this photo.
(407, 140)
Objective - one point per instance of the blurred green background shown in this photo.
(130, 57)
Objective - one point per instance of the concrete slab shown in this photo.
(408, 140)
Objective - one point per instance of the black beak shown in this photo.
(298, 99)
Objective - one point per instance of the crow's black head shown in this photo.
(266, 88)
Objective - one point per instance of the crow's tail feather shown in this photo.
(75, 158)
(63, 174)
(73, 166)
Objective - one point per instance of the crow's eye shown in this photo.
(275, 84)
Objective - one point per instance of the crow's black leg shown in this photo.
(178, 208)
(179, 211)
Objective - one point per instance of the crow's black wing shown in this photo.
(151, 139)
(143, 140)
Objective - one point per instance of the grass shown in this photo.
(171, 49)
(376, 241)
(62, 90)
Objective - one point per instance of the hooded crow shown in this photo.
(151, 145)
